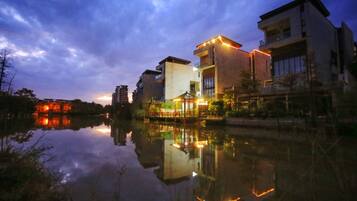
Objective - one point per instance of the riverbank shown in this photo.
(344, 126)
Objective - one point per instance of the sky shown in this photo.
(82, 49)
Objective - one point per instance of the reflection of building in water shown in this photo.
(66, 122)
(206, 165)
(227, 174)
(57, 122)
(119, 133)
(194, 166)
(49, 106)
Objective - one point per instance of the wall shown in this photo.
(261, 64)
(177, 79)
(321, 40)
(151, 88)
(229, 64)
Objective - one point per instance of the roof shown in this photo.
(153, 72)
(174, 60)
(186, 95)
(222, 39)
(317, 3)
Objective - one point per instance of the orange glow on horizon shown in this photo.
(105, 98)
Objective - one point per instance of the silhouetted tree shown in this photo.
(27, 93)
(5, 65)
(289, 81)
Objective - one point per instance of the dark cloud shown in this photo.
(82, 49)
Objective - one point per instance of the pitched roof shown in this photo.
(221, 39)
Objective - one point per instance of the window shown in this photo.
(287, 65)
(208, 84)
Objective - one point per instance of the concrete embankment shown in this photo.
(265, 123)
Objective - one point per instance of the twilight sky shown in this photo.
(84, 48)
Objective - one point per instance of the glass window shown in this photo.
(292, 65)
(303, 63)
(276, 69)
(287, 66)
(296, 64)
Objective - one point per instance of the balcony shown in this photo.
(275, 38)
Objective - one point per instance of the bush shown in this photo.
(216, 108)
(23, 177)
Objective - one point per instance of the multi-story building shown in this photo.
(221, 64)
(177, 77)
(51, 106)
(148, 87)
(120, 95)
(303, 42)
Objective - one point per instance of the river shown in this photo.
(102, 159)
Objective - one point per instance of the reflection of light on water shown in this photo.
(263, 193)
(128, 136)
(66, 178)
(103, 130)
(45, 122)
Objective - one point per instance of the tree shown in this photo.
(248, 85)
(5, 64)
(27, 93)
(228, 99)
(289, 81)
(216, 107)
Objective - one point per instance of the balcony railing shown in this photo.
(275, 38)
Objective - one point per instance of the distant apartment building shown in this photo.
(148, 87)
(303, 42)
(120, 96)
(177, 77)
(221, 64)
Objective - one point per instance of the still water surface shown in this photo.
(100, 159)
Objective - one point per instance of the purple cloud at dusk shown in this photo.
(82, 49)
